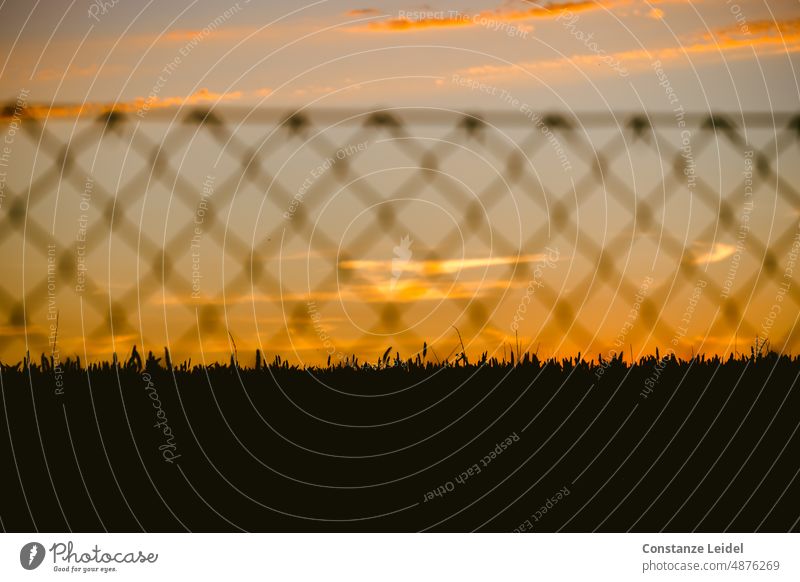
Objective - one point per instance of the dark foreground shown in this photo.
(704, 445)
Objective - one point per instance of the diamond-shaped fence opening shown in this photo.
(319, 233)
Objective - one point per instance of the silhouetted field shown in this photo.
(402, 445)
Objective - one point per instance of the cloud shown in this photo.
(420, 281)
(313, 90)
(415, 289)
(426, 19)
(363, 12)
(194, 36)
(182, 35)
(412, 21)
(427, 280)
(95, 108)
(72, 72)
(200, 96)
(759, 31)
(440, 267)
(718, 252)
(766, 37)
(380, 290)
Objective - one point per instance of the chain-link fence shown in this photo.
(328, 233)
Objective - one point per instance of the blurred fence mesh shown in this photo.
(286, 231)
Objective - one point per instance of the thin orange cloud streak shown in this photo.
(406, 290)
(766, 37)
(93, 108)
(363, 12)
(452, 19)
(440, 267)
(718, 252)
(423, 20)
(72, 72)
(201, 96)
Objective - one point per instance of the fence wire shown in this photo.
(336, 232)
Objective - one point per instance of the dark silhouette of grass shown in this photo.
(707, 443)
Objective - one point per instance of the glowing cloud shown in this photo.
(444, 267)
(765, 37)
(718, 252)
(453, 19)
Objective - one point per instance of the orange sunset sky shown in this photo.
(346, 235)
